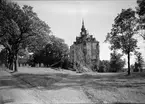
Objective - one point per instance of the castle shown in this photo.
(84, 53)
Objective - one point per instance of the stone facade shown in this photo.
(84, 53)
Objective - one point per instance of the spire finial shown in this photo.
(83, 30)
(83, 22)
(83, 26)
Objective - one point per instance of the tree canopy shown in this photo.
(140, 10)
(18, 27)
(122, 32)
(54, 53)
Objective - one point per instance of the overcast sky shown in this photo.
(65, 18)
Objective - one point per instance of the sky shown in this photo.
(65, 18)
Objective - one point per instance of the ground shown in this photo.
(49, 86)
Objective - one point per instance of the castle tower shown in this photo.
(84, 53)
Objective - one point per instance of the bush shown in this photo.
(104, 66)
(116, 63)
(139, 62)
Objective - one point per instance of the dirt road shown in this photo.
(48, 86)
(17, 91)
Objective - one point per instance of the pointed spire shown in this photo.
(83, 22)
(83, 29)
(83, 26)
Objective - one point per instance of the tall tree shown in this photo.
(17, 26)
(122, 32)
(140, 10)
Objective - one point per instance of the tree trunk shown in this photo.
(39, 64)
(19, 65)
(11, 65)
(128, 63)
(10, 61)
(15, 64)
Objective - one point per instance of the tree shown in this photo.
(18, 27)
(55, 53)
(122, 32)
(104, 66)
(3, 57)
(139, 61)
(140, 10)
(116, 63)
(23, 56)
(132, 67)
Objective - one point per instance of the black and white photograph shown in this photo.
(72, 51)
